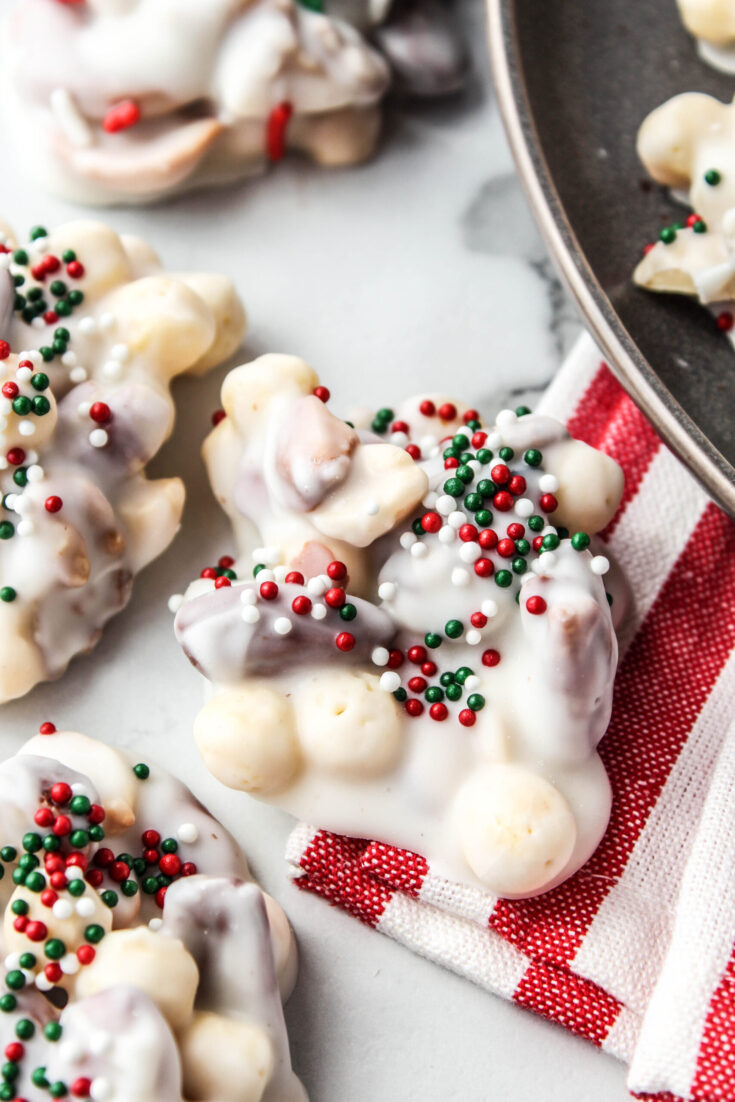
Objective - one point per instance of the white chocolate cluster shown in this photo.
(688, 144)
(118, 987)
(92, 332)
(426, 652)
(132, 100)
(712, 22)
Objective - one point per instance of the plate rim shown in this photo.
(668, 417)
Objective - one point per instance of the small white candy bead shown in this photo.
(250, 614)
(282, 626)
(524, 507)
(505, 417)
(390, 681)
(600, 565)
(62, 908)
(489, 608)
(457, 518)
(188, 833)
(98, 438)
(548, 484)
(380, 656)
(387, 591)
(473, 637)
(447, 534)
(318, 612)
(248, 597)
(26, 428)
(470, 552)
(445, 505)
(460, 576)
(371, 508)
(407, 540)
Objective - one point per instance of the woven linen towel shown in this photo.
(636, 951)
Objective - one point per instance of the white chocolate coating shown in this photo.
(87, 519)
(493, 777)
(712, 22)
(688, 144)
(177, 997)
(203, 81)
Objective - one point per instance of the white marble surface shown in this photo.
(421, 269)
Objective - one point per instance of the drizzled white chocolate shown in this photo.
(712, 22)
(688, 144)
(441, 690)
(95, 342)
(163, 994)
(131, 100)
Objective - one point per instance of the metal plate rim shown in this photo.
(676, 428)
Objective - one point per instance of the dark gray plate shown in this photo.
(575, 78)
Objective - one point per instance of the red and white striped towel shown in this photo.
(637, 951)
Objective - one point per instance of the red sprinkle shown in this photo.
(500, 474)
(490, 657)
(74, 269)
(470, 415)
(14, 1051)
(478, 439)
(4, 350)
(322, 393)
(225, 561)
(149, 838)
(427, 408)
(85, 955)
(301, 605)
(269, 591)
(506, 548)
(417, 684)
(16, 456)
(484, 568)
(188, 869)
(417, 654)
(548, 503)
(275, 136)
(217, 416)
(61, 793)
(431, 522)
(122, 116)
(414, 451)
(515, 531)
(208, 572)
(503, 501)
(20, 923)
(47, 729)
(53, 972)
(336, 570)
(96, 814)
(48, 897)
(294, 577)
(450, 463)
(414, 707)
(478, 619)
(36, 931)
(447, 412)
(161, 896)
(170, 864)
(53, 504)
(488, 539)
(468, 533)
(222, 583)
(44, 817)
(725, 321)
(438, 711)
(100, 412)
(345, 641)
(517, 485)
(467, 717)
(395, 659)
(399, 426)
(10, 390)
(536, 606)
(119, 871)
(428, 669)
(62, 826)
(335, 597)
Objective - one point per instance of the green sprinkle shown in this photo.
(453, 628)
(58, 1089)
(533, 457)
(580, 541)
(38, 1077)
(520, 566)
(484, 517)
(20, 907)
(462, 674)
(506, 454)
(476, 702)
(700, 227)
(110, 899)
(503, 578)
(150, 885)
(536, 523)
(400, 695)
(7, 593)
(75, 298)
(27, 960)
(142, 771)
(51, 843)
(129, 887)
(432, 640)
(454, 692)
(15, 980)
(40, 381)
(711, 177)
(523, 546)
(63, 308)
(473, 502)
(47, 354)
(79, 839)
(484, 455)
(68, 255)
(76, 887)
(20, 256)
(522, 411)
(38, 231)
(96, 833)
(550, 542)
(21, 405)
(447, 678)
(466, 474)
(54, 948)
(454, 487)
(31, 842)
(24, 1029)
(434, 694)
(35, 881)
(8, 1003)
(94, 933)
(52, 1031)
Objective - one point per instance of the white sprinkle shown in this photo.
(26, 428)
(69, 964)
(34, 473)
(83, 409)
(20, 503)
(85, 907)
(473, 637)
(399, 439)
(79, 789)
(120, 352)
(470, 552)
(112, 369)
(537, 566)
(23, 374)
(318, 612)
(101, 1089)
(280, 572)
(87, 326)
(155, 924)
(547, 559)
(42, 983)
(371, 508)
(6, 259)
(78, 374)
(599, 565)
(431, 499)
(98, 438)
(505, 417)
(427, 444)
(457, 518)
(475, 465)
(282, 625)
(460, 576)
(419, 550)
(494, 441)
(387, 591)
(188, 833)
(489, 608)
(380, 656)
(433, 453)
(69, 359)
(62, 908)
(447, 534)
(407, 539)
(390, 681)
(6, 407)
(10, 500)
(445, 505)
(33, 355)
(3, 463)
(175, 602)
(25, 528)
(316, 587)
(524, 507)
(265, 576)
(462, 431)
(248, 597)
(107, 321)
(250, 614)
(473, 681)
(69, 1052)
(12, 961)
(73, 872)
(27, 975)
(548, 484)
